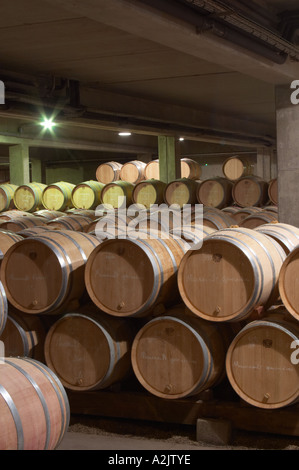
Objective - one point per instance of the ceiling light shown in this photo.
(124, 134)
(48, 124)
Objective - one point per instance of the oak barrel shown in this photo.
(28, 197)
(289, 283)
(178, 355)
(152, 170)
(217, 220)
(192, 234)
(45, 273)
(126, 277)
(70, 222)
(215, 192)
(89, 351)
(181, 191)
(273, 191)
(241, 214)
(259, 362)
(108, 172)
(47, 214)
(250, 191)
(12, 214)
(259, 218)
(118, 194)
(24, 335)
(235, 271)
(285, 234)
(34, 407)
(87, 195)
(58, 196)
(16, 224)
(149, 192)
(3, 308)
(190, 169)
(7, 196)
(236, 167)
(133, 172)
(7, 239)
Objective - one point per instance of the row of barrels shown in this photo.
(233, 168)
(214, 192)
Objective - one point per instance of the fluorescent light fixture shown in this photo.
(124, 134)
(181, 138)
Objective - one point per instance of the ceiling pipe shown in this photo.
(207, 23)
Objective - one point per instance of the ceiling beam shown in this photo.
(146, 22)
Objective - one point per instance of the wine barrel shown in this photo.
(243, 213)
(133, 172)
(286, 235)
(217, 220)
(192, 234)
(273, 191)
(259, 363)
(259, 218)
(152, 170)
(87, 195)
(28, 197)
(236, 167)
(231, 209)
(70, 222)
(35, 410)
(235, 271)
(190, 169)
(7, 196)
(149, 192)
(288, 283)
(7, 239)
(58, 196)
(109, 226)
(16, 224)
(45, 273)
(91, 213)
(178, 355)
(126, 277)
(118, 194)
(215, 192)
(24, 336)
(250, 191)
(108, 172)
(31, 231)
(49, 215)
(88, 351)
(3, 308)
(181, 191)
(12, 214)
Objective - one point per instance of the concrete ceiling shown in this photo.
(131, 59)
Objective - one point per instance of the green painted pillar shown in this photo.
(169, 159)
(36, 170)
(19, 164)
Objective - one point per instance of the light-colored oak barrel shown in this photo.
(24, 336)
(152, 170)
(215, 192)
(16, 224)
(178, 355)
(243, 213)
(58, 196)
(108, 172)
(149, 192)
(89, 351)
(181, 191)
(45, 273)
(259, 363)
(273, 191)
(289, 283)
(87, 195)
(49, 215)
(192, 234)
(28, 197)
(3, 308)
(235, 271)
(190, 169)
(133, 172)
(126, 277)
(259, 218)
(236, 167)
(34, 407)
(217, 220)
(109, 226)
(91, 213)
(12, 214)
(31, 231)
(250, 191)
(7, 196)
(270, 208)
(70, 222)
(7, 239)
(285, 234)
(118, 194)
(231, 209)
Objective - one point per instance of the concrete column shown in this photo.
(287, 122)
(169, 159)
(19, 164)
(36, 170)
(263, 163)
